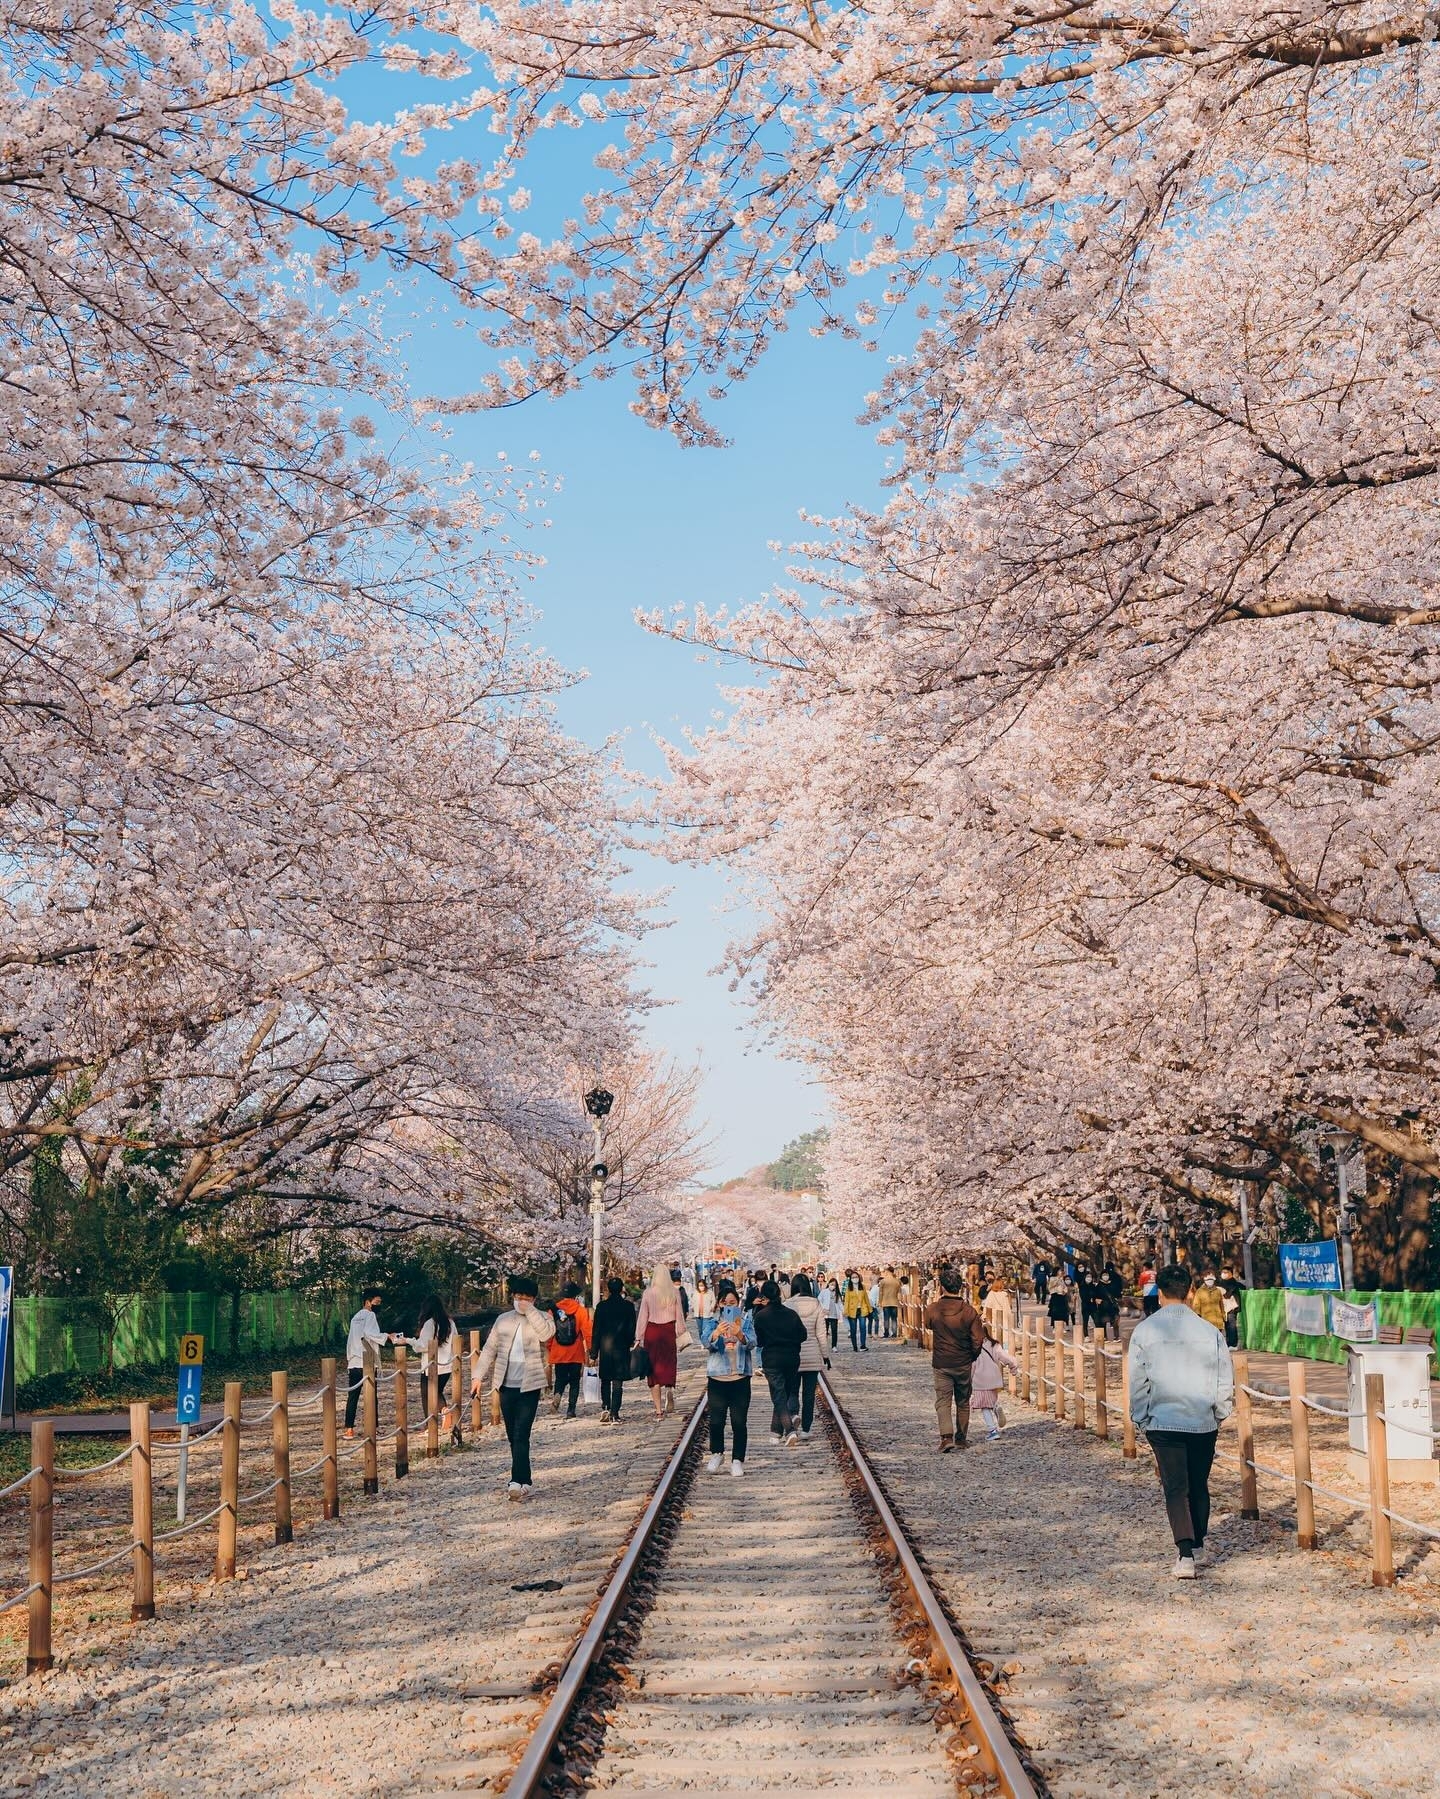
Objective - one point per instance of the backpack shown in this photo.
(567, 1332)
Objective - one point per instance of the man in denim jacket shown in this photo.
(1182, 1389)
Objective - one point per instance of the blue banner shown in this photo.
(1310, 1265)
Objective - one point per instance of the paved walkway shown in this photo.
(1276, 1672)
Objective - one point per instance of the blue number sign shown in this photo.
(187, 1401)
(1310, 1265)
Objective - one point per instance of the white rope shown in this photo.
(250, 1498)
(1264, 1393)
(1410, 1524)
(190, 1443)
(1331, 1411)
(1415, 1430)
(24, 1481)
(1349, 1500)
(251, 1423)
(95, 1567)
(97, 1467)
(19, 1598)
(311, 1469)
(183, 1530)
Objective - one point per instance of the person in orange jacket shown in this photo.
(569, 1347)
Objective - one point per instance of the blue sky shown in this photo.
(642, 522)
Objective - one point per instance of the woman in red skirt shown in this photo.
(656, 1328)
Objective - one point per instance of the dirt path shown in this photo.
(1276, 1672)
(354, 1661)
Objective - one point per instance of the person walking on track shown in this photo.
(1040, 1275)
(988, 1377)
(657, 1329)
(364, 1328)
(813, 1357)
(890, 1303)
(569, 1347)
(513, 1363)
(730, 1348)
(1182, 1389)
(779, 1334)
(704, 1301)
(438, 1327)
(1057, 1307)
(957, 1337)
(832, 1309)
(857, 1311)
(612, 1331)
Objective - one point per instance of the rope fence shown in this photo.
(1050, 1375)
(40, 1481)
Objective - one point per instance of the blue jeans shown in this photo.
(861, 1322)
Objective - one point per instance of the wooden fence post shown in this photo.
(402, 1412)
(1102, 1377)
(329, 1442)
(280, 1448)
(229, 1483)
(370, 1400)
(38, 1656)
(1057, 1331)
(1077, 1364)
(1042, 1366)
(1127, 1423)
(1025, 1360)
(476, 1422)
(1377, 1454)
(1305, 1534)
(432, 1401)
(142, 1513)
(456, 1409)
(1245, 1423)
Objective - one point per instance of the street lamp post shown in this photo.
(597, 1103)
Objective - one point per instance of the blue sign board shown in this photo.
(187, 1401)
(1310, 1265)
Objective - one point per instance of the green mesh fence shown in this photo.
(1262, 1322)
(68, 1336)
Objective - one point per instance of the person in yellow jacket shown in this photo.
(1208, 1302)
(857, 1311)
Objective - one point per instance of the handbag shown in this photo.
(685, 1340)
(639, 1362)
(590, 1386)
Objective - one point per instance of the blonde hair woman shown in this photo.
(657, 1326)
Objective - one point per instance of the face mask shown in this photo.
(1209, 1280)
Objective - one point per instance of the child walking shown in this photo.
(989, 1378)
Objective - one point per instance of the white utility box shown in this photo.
(1410, 1448)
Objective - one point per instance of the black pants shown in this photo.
(518, 1410)
(567, 1380)
(730, 1398)
(352, 1398)
(1183, 1458)
(802, 1398)
(782, 1382)
(1042, 1288)
(611, 1393)
(833, 1326)
(1150, 1304)
(892, 1321)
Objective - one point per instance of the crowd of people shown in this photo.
(786, 1326)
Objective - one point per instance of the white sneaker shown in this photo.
(736, 1470)
(525, 1492)
(775, 1437)
(804, 1436)
(1200, 1557)
(792, 1439)
(1184, 1568)
(515, 1490)
(713, 1465)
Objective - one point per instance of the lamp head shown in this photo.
(598, 1102)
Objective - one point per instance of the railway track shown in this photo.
(776, 1633)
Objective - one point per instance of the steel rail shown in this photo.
(531, 1769)
(997, 1753)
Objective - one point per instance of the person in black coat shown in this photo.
(612, 1331)
(779, 1332)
